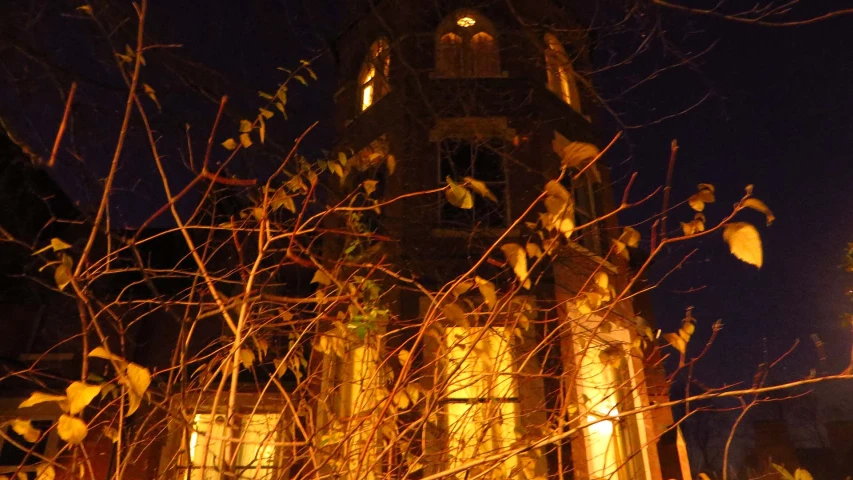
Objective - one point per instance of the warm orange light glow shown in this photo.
(481, 364)
(466, 22)
(367, 92)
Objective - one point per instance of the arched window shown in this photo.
(466, 47)
(373, 81)
(559, 69)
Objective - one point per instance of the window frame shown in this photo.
(374, 74)
(475, 141)
(466, 63)
(559, 72)
(190, 435)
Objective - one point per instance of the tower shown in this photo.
(484, 97)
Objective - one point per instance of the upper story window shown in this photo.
(373, 81)
(466, 47)
(480, 159)
(559, 69)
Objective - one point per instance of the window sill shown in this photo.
(436, 76)
(448, 232)
(593, 256)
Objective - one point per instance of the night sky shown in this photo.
(780, 116)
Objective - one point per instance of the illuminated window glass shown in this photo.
(613, 445)
(248, 451)
(559, 70)
(481, 400)
(467, 47)
(373, 80)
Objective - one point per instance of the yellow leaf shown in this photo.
(245, 126)
(45, 471)
(487, 290)
(696, 203)
(401, 400)
(555, 189)
(744, 242)
(230, 144)
(111, 433)
(577, 152)
(321, 278)
(414, 391)
(247, 357)
(533, 250)
(455, 314)
(757, 205)
(370, 186)
(138, 379)
(80, 395)
(245, 141)
(71, 429)
(39, 397)
(676, 341)
(458, 196)
(630, 237)
(262, 128)
(602, 280)
(480, 188)
(85, 9)
(63, 272)
(620, 249)
(151, 94)
(462, 287)
(57, 245)
(266, 113)
(101, 352)
(705, 186)
(404, 356)
(517, 259)
(802, 474)
(25, 429)
(391, 163)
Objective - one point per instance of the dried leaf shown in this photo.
(152, 95)
(138, 380)
(533, 250)
(230, 144)
(45, 471)
(63, 273)
(247, 357)
(321, 278)
(480, 189)
(101, 352)
(458, 196)
(403, 355)
(80, 395)
(516, 256)
(576, 153)
(267, 114)
(25, 429)
(555, 189)
(58, 245)
(744, 242)
(676, 341)
(71, 429)
(487, 290)
(630, 237)
(454, 313)
(759, 206)
(39, 397)
(370, 186)
(111, 433)
(245, 126)
(245, 141)
(602, 280)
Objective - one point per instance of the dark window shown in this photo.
(12, 456)
(484, 161)
(586, 211)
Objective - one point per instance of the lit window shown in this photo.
(559, 70)
(373, 80)
(449, 61)
(248, 451)
(466, 22)
(613, 445)
(484, 55)
(481, 403)
(464, 51)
